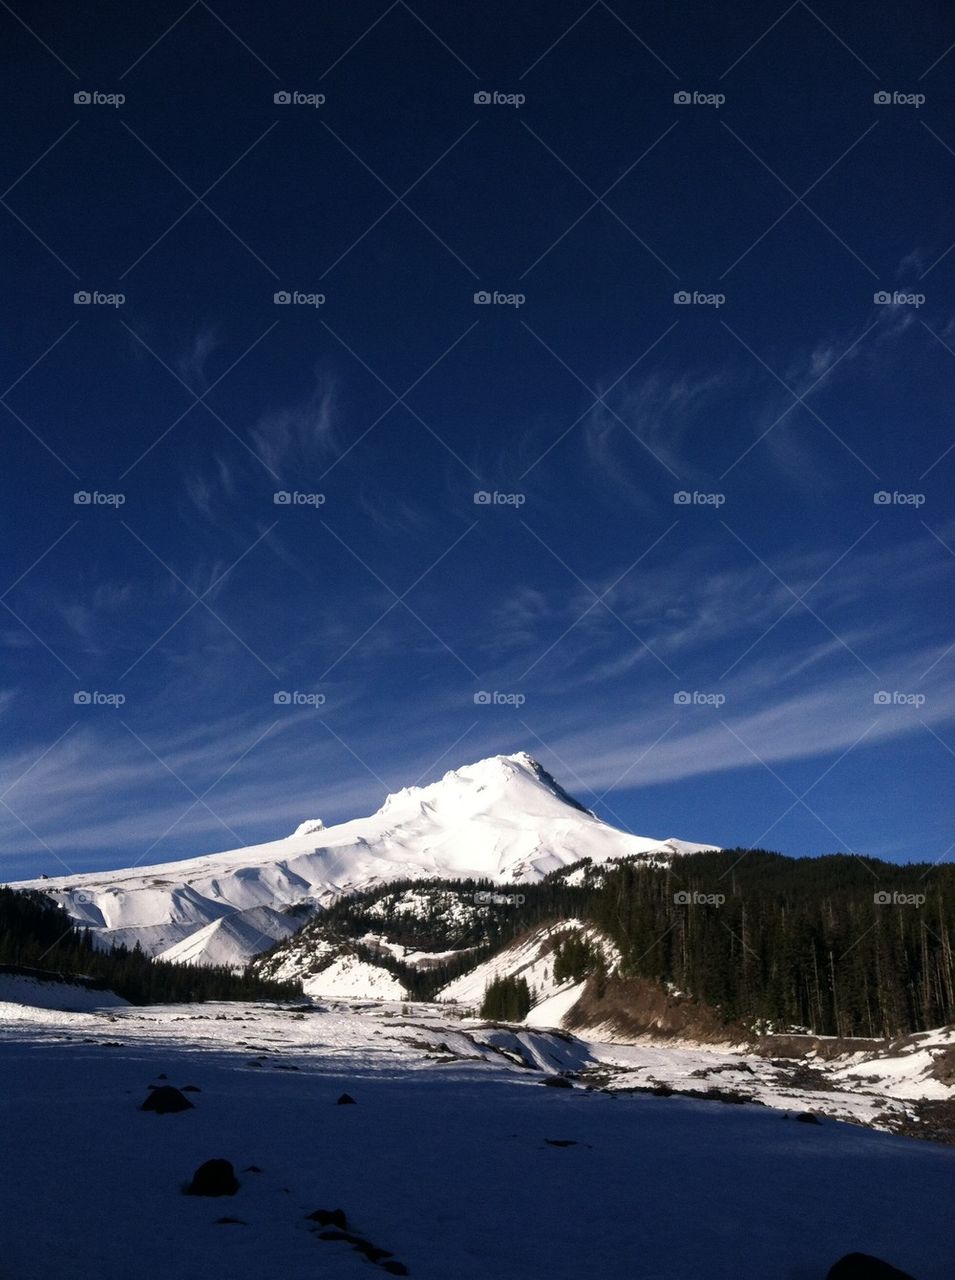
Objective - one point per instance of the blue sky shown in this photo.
(682, 594)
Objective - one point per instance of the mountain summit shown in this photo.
(504, 819)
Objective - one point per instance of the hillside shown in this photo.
(723, 945)
(414, 938)
(46, 961)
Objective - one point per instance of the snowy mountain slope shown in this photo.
(231, 939)
(504, 819)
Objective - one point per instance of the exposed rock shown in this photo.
(330, 1218)
(862, 1266)
(214, 1178)
(166, 1099)
(639, 1006)
(345, 1100)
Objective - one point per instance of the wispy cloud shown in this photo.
(192, 360)
(295, 439)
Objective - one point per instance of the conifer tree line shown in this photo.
(35, 933)
(576, 957)
(446, 918)
(839, 945)
(507, 999)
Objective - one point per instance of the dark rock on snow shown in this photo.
(345, 1100)
(165, 1099)
(556, 1082)
(330, 1218)
(862, 1266)
(214, 1178)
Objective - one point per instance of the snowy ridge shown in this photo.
(504, 819)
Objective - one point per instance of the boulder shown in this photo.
(214, 1178)
(807, 1117)
(165, 1099)
(330, 1218)
(862, 1266)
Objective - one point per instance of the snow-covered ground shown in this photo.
(17, 989)
(349, 978)
(451, 1158)
(504, 819)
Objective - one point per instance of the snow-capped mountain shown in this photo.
(504, 819)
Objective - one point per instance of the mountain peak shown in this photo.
(486, 778)
(504, 819)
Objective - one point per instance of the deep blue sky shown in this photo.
(596, 597)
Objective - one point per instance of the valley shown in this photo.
(454, 1157)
